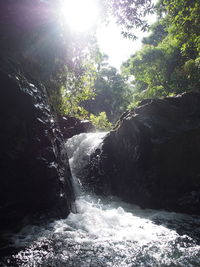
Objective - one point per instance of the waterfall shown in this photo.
(79, 148)
(107, 232)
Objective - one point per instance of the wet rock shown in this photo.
(71, 126)
(151, 158)
(35, 178)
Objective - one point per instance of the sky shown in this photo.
(119, 49)
(81, 16)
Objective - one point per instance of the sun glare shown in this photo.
(80, 15)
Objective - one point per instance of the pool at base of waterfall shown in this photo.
(106, 232)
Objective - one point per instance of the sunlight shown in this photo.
(80, 15)
(115, 46)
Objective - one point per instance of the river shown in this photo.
(106, 232)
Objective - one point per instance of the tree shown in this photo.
(101, 121)
(154, 69)
(67, 99)
(128, 14)
(37, 44)
(168, 62)
(158, 33)
(111, 91)
(184, 18)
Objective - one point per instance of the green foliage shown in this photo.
(111, 91)
(36, 42)
(98, 89)
(192, 71)
(79, 80)
(128, 14)
(153, 68)
(101, 121)
(184, 19)
(158, 33)
(75, 90)
(168, 63)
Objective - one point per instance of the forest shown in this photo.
(78, 77)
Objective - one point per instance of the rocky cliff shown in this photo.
(35, 177)
(152, 156)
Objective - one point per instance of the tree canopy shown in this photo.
(36, 41)
(168, 62)
(128, 14)
(110, 89)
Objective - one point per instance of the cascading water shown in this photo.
(108, 232)
(79, 149)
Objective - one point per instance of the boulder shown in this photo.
(71, 126)
(151, 158)
(35, 176)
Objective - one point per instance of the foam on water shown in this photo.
(111, 233)
(108, 232)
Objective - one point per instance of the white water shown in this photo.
(107, 232)
(79, 148)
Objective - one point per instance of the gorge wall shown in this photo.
(151, 158)
(35, 176)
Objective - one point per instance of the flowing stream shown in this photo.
(105, 232)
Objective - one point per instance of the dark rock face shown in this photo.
(152, 157)
(71, 126)
(35, 175)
